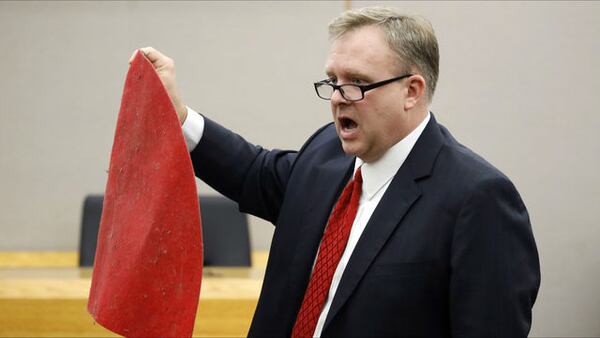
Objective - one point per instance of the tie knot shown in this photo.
(358, 175)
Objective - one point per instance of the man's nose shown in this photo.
(337, 98)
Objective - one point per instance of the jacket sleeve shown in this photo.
(495, 273)
(252, 176)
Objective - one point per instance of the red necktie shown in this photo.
(330, 251)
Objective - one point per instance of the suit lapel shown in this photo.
(401, 194)
(396, 202)
(330, 180)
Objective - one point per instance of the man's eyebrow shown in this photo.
(350, 75)
(358, 75)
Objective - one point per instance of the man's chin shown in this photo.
(350, 148)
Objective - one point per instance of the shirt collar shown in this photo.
(376, 174)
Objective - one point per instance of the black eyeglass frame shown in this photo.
(363, 88)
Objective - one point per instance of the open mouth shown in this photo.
(347, 124)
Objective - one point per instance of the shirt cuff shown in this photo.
(193, 128)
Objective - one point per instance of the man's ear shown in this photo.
(416, 87)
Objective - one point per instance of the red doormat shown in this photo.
(148, 265)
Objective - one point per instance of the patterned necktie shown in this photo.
(330, 251)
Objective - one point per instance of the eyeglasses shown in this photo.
(350, 92)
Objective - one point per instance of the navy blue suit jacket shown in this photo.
(448, 251)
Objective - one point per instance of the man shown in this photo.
(428, 238)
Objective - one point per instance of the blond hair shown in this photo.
(411, 37)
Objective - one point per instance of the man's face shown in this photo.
(369, 127)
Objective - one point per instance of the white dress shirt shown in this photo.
(376, 179)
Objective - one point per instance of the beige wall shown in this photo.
(518, 84)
